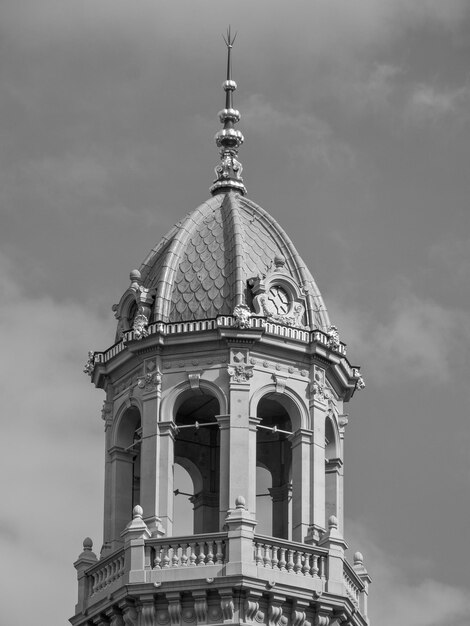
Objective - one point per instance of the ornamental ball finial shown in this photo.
(332, 522)
(279, 261)
(87, 544)
(240, 502)
(358, 558)
(137, 511)
(135, 276)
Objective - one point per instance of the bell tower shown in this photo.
(225, 363)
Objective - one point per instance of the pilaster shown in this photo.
(164, 474)
(150, 384)
(302, 491)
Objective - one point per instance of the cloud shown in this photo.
(327, 26)
(53, 437)
(401, 591)
(306, 137)
(454, 255)
(417, 338)
(428, 103)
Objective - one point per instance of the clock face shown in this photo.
(279, 300)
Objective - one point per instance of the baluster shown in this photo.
(157, 563)
(298, 562)
(282, 559)
(210, 554)
(322, 568)
(219, 552)
(166, 557)
(175, 559)
(274, 559)
(192, 555)
(258, 554)
(201, 557)
(100, 579)
(305, 563)
(314, 570)
(184, 555)
(290, 561)
(266, 557)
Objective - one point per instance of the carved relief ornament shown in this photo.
(90, 364)
(277, 297)
(242, 314)
(239, 370)
(134, 309)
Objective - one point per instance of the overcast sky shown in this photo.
(356, 118)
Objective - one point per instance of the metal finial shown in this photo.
(228, 172)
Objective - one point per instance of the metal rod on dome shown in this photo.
(229, 43)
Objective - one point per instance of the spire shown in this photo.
(228, 172)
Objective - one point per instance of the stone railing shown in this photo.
(352, 583)
(300, 335)
(209, 549)
(105, 572)
(187, 560)
(290, 557)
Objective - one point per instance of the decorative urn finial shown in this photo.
(228, 139)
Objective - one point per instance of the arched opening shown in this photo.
(125, 457)
(197, 449)
(332, 467)
(274, 454)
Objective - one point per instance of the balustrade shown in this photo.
(105, 572)
(186, 551)
(353, 585)
(290, 557)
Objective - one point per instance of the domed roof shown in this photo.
(206, 264)
(227, 257)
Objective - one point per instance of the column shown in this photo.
(120, 482)
(149, 483)
(318, 409)
(164, 478)
(242, 444)
(302, 492)
(224, 502)
(333, 478)
(280, 510)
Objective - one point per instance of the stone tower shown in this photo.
(225, 362)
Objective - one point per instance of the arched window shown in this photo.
(197, 450)
(274, 454)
